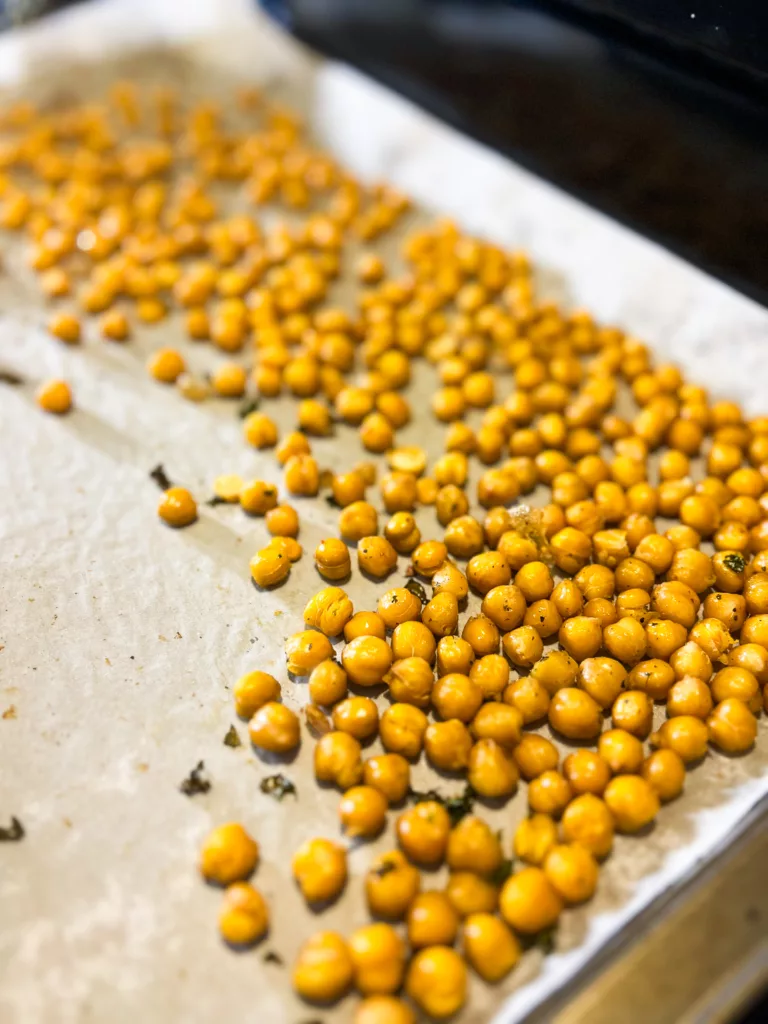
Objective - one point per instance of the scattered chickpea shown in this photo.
(228, 855)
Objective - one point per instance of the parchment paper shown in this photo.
(121, 639)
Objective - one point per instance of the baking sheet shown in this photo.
(120, 639)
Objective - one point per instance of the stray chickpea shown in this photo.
(228, 855)
(432, 921)
(437, 981)
(366, 660)
(402, 532)
(534, 838)
(490, 946)
(732, 726)
(622, 751)
(363, 812)
(302, 476)
(65, 327)
(252, 691)
(320, 869)
(378, 955)
(274, 728)
(664, 771)
(588, 822)
(529, 903)
(55, 396)
(244, 916)
(259, 430)
(391, 885)
(469, 893)
(324, 969)
(632, 802)
(390, 774)
(177, 507)
(332, 559)
(423, 831)
(258, 497)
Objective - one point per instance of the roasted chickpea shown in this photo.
(555, 670)
(456, 696)
(464, 538)
(505, 606)
(437, 981)
(492, 772)
(499, 722)
(365, 624)
(572, 872)
(690, 696)
(693, 568)
(332, 559)
(663, 637)
(328, 610)
(366, 660)
(228, 855)
(581, 637)
(363, 812)
(595, 581)
(534, 755)
(625, 640)
(515, 547)
(252, 691)
(275, 728)
(534, 580)
(664, 771)
(549, 793)
(732, 726)
(450, 503)
(244, 915)
(752, 657)
(432, 920)
(423, 831)
(685, 734)
(588, 822)
(338, 759)
(473, 846)
(632, 711)
(358, 521)
(603, 679)
(454, 654)
(413, 640)
(656, 552)
(347, 488)
(482, 635)
(177, 507)
(469, 893)
(402, 728)
(391, 885)
(428, 557)
(690, 660)
(755, 630)
(632, 802)
(402, 532)
(305, 650)
(534, 838)
(324, 970)
(358, 716)
(622, 751)
(378, 956)
(574, 714)
(523, 646)
(529, 697)
(441, 614)
(450, 579)
(390, 774)
(320, 869)
(448, 744)
(410, 680)
(490, 946)
(529, 903)
(587, 772)
(728, 609)
(327, 683)
(377, 557)
(567, 599)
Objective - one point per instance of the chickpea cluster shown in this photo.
(626, 613)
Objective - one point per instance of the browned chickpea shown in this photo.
(535, 581)
(534, 755)
(347, 488)
(549, 793)
(574, 714)
(621, 750)
(366, 660)
(732, 726)
(450, 503)
(491, 674)
(274, 728)
(632, 573)
(602, 679)
(555, 670)
(595, 581)
(492, 773)
(499, 722)
(441, 614)
(752, 657)
(601, 609)
(364, 624)
(398, 492)
(363, 812)
(482, 635)
(487, 571)
(451, 579)
(686, 735)
(691, 660)
(632, 711)
(454, 654)
(474, 846)
(625, 640)
(523, 646)
(682, 537)
(456, 696)
(587, 772)
(567, 599)
(402, 728)
(358, 716)
(581, 637)
(664, 637)
(423, 831)
(320, 869)
(713, 637)
(448, 744)
(632, 802)
(689, 696)
(529, 697)
(464, 538)
(505, 606)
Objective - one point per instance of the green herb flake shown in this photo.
(10, 378)
(271, 957)
(194, 782)
(735, 562)
(277, 786)
(456, 806)
(160, 477)
(232, 739)
(216, 500)
(417, 590)
(248, 407)
(13, 833)
(502, 872)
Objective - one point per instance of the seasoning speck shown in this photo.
(160, 477)
(12, 834)
(232, 738)
(277, 786)
(194, 782)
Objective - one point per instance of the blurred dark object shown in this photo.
(656, 113)
(16, 12)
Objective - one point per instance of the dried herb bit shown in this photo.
(10, 378)
(545, 941)
(735, 562)
(417, 590)
(271, 957)
(277, 786)
(12, 834)
(316, 720)
(232, 739)
(457, 806)
(248, 407)
(216, 500)
(160, 477)
(383, 869)
(330, 500)
(502, 872)
(194, 782)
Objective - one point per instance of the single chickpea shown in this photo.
(428, 557)
(469, 893)
(332, 559)
(732, 727)
(529, 903)
(664, 771)
(549, 793)
(441, 614)
(451, 579)
(378, 955)
(574, 714)
(529, 697)
(534, 838)
(492, 771)
(516, 548)
(535, 581)
(567, 599)
(402, 532)
(523, 646)
(391, 885)
(595, 581)
(603, 679)
(366, 660)
(437, 981)
(632, 802)
(275, 728)
(728, 609)
(302, 476)
(555, 670)
(689, 696)
(622, 751)
(534, 755)
(587, 772)
(423, 831)
(389, 774)
(491, 674)
(65, 327)
(252, 691)
(448, 745)
(413, 640)
(572, 872)
(259, 430)
(473, 846)
(363, 812)
(327, 683)
(691, 660)
(228, 855)
(632, 711)
(410, 680)
(376, 557)
(293, 443)
(755, 630)
(450, 503)
(692, 567)
(588, 823)
(456, 696)
(499, 722)
(305, 650)
(752, 657)
(684, 734)
(663, 638)
(571, 549)
(490, 946)
(55, 396)
(338, 759)
(244, 915)
(625, 640)
(258, 497)
(402, 728)
(358, 716)
(320, 869)
(432, 920)
(177, 507)
(324, 969)
(581, 637)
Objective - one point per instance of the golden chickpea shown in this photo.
(622, 751)
(55, 396)
(572, 872)
(423, 831)
(399, 606)
(252, 691)
(328, 610)
(358, 716)
(274, 728)
(663, 638)
(327, 683)
(488, 570)
(432, 921)
(523, 646)
(549, 793)
(689, 696)
(332, 559)
(244, 915)
(684, 734)
(402, 532)
(228, 855)
(534, 755)
(603, 679)
(437, 981)
(469, 893)
(625, 640)
(729, 609)
(534, 838)
(177, 507)
(293, 444)
(338, 759)
(529, 903)
(441, 614)
(632, 802)
(456, 696)
(363, 812)
(632, 711)
(692, 567)
(588, 823)
(529, 697)
(729, 569)
(410, 680)
(490, 947)
(258, 497)
(259, 430)
(302, 476)
(378, 955)
(567, 599)
(755, 630)
(482, 635)
(383, 1009)
(664, 771)
(376, 557)
(402, 728)
(366, 660)
(534, 580)
(581, 637)
(752, 657)
(450, 579)
(732, 727)
(571, 549)
(555, 670)
(324, 969)
(320, 869)
(574, 714)
(690, 660)
(413, 640)
(502, 723)
(656, 552)
(587, 772)
(448, 745)
(505, 606)
(474, 846)
(450, 503)
(347, 488)
(282, 521)
(428, 557)
(391, 885)
(390, 774)
(364, 624)
(516, 548)
(492, 771)
(305, 650)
